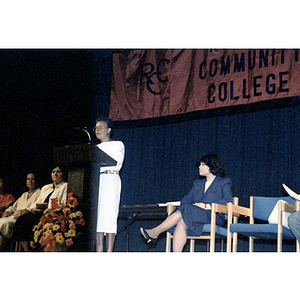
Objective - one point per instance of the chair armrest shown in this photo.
(170, 208)
(238, 210)
(286, 207)
(219, 208)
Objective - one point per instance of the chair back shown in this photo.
(235, 200)
(263, 206)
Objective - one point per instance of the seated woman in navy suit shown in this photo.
(195, 208)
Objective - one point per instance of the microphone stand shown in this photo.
(87, 132)
(85, 129)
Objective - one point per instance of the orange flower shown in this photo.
(51, 247)
(72, 201)
(81, 222)
(66, 210)
(69, 242)
(70, 194)
(62, 218)
(54, 214)
(49, 243)
(46, 239)
(72, 226)
(63, 227)
(54, 203)
(43, 219)
(79, 214)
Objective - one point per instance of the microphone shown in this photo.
(85, 129)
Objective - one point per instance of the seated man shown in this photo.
(294, 224)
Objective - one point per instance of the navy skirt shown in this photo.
(24, 225)
(195, 218)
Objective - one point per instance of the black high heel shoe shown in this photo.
(146, 236)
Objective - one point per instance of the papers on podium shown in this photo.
(175, 203)
(291, 193)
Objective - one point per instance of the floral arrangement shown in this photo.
(59, 226)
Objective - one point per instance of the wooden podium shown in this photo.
(83, 163)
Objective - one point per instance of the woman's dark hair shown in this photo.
(4, 183)
(37, 183)
(214, 163)
(63, 169)
(106, 120)
(7, 183)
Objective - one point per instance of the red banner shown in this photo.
(156, 83)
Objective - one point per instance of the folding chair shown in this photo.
(210, 231)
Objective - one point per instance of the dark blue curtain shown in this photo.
(260, 150)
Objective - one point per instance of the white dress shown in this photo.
(7, 224)
(110, 188)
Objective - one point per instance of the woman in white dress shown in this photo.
(56, 190)
(109, 187)
(12, 213)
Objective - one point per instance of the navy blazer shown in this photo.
(195, 217)
(218, 192)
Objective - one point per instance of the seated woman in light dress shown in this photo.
(25, 223)
(6, 199)
(109, 187)
(12, 213)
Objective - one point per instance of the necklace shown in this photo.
(30, 194)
